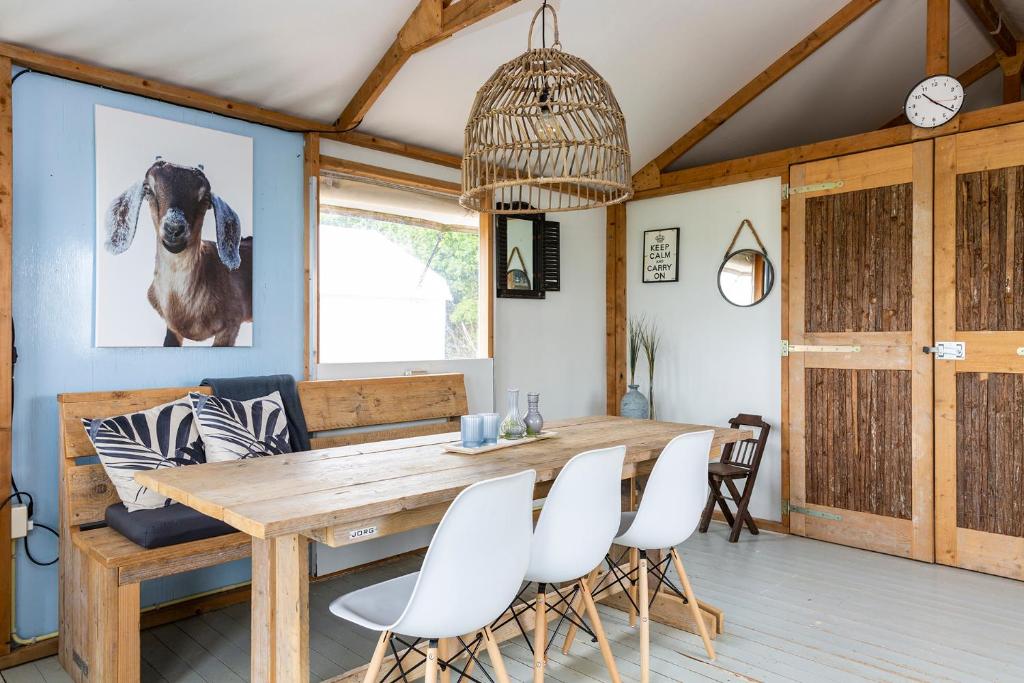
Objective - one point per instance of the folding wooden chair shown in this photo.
(739, 460)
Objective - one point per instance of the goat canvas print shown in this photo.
(174, 238)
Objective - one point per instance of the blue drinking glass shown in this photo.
(472, 431)
(491, 423)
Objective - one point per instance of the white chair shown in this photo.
(668, 514)
(473, 568)
(576, 527)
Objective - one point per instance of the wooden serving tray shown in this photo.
(502, 443)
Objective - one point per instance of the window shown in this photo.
(398, 272)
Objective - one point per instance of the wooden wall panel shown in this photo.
(858, 260)
(990, 452)
(858, 447)
(989, 250)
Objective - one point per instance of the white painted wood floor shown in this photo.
(795, 610)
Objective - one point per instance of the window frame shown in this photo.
(401, 180)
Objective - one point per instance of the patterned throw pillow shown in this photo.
(164, 436)
(235, 430)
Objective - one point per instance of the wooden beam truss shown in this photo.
(745, 95)
(996, 25)
(430, 22)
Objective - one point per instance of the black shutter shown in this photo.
(552, 257)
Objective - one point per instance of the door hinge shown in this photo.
(949, 350)
(788, 348)
(787, 508)
(788, 191)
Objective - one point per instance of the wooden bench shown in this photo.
(100, 570)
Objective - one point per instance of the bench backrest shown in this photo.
(433, 403)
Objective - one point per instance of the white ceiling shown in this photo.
(670, 62)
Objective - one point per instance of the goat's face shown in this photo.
(179, 197)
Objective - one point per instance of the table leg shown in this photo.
(280, 609)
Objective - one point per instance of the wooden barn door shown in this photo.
(979, 400)
(860, 385)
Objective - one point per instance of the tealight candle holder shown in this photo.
(472, 431)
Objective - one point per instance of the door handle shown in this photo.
(947, 350)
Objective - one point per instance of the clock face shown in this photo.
(934, 101)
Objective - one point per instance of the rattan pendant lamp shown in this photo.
(545, 134)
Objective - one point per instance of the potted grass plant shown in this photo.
(650, 340)
(634, 403)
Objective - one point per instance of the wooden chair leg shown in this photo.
(570, 636)
(373, 670)
(723, 504)
(645, 624)
(691, 600)
(540, 633)
(742, 501)
(494, 654)
(431, 674)
(634, 568)
(595, 623)
(444, 651)
(709, 507)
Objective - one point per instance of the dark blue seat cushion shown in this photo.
(164, 526)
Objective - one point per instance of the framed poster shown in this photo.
(174, 240)
(661, 255)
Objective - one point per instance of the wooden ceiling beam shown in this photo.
(64, 67)
(997, 26)
(937, 38)
(431, 22)
(55, 65)
(967, 78)
(779, 68)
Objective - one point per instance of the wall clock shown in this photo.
(934, 101)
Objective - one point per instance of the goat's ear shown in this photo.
(229, 233)
(122, 217)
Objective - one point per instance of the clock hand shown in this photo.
(938, 103)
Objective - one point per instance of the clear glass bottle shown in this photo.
(534, 421)
(513, 427)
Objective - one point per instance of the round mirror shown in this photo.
(746, 277)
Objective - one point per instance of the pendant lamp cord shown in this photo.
(544, 25)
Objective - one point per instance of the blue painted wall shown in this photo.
(54, 238)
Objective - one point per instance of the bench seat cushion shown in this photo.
(164, 526)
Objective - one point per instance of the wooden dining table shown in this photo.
(351, 494)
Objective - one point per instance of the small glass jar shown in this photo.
(513, 427)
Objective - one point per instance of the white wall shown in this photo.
(717, 360)
(555, 346)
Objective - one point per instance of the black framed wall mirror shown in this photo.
(746, 276)
(526, 256)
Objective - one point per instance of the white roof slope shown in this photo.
(670, 62)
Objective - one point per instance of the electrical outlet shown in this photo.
(19, 521)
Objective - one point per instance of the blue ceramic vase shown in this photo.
(634, 404)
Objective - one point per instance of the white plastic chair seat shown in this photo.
(627, 521)
(379, 606)
(471, 572)
(673, 498)
(579, 517)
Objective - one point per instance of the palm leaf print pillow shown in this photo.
(164, 436)
(236, 430)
